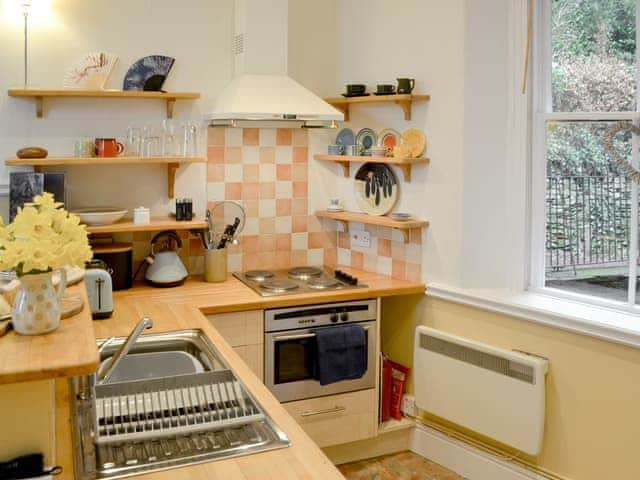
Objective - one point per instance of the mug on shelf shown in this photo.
(335, 149)
(108, 147)
(406, 85)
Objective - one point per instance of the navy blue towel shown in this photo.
(342, 353)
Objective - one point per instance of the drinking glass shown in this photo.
(189, 139)
(150, 146)
(169, 142)
(134, 141)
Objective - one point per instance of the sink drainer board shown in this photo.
(166, 407)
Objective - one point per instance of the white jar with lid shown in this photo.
(141, 216)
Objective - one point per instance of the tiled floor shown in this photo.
(399, 466)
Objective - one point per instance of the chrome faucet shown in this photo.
(107, 371)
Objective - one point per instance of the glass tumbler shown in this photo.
(189, 139)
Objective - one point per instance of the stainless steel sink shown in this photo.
(172, 401)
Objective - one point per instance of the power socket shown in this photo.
(360, 238)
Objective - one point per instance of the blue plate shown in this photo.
(366, 138)
(346, 137)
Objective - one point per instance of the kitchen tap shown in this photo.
(107, 372)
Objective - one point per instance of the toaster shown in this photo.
(99, 289)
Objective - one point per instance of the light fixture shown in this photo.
(26, 8)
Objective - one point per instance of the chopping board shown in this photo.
(70, 305)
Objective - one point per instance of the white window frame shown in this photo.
(541, 114)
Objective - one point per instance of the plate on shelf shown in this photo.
(400, 216)
(388, 138)
(94, 216)
(148, 73)
(346, 137)
(90, 72)
(366, 138)
(414, 142)
(351, 95)
(376, 189)
(335, 209)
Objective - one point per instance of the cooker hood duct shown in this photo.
(261, 91)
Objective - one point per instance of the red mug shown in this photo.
(108, 147)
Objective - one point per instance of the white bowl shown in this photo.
(94, 216)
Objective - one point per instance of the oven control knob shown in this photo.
(344, 317)
(334, 318)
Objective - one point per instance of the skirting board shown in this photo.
(383, 444)
(464, 459)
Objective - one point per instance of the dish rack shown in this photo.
(170, 407)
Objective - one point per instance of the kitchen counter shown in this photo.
(182, 308)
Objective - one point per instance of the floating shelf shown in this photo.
(156, 224)
(404, 101)
(344, 161)
(40, 95)
(172, 164)
(347, 217)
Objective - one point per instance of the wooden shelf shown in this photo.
(404, 101)
(172, 163)
(404, 164)
(156, 224)
(41, 94)
(393, 425)
(346, 217)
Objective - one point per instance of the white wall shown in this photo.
(196, 32)
(379, 41)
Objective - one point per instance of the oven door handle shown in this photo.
(299, 336)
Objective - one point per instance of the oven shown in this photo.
(290, 348)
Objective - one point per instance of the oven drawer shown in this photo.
(337, 419)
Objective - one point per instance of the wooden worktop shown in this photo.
(182, 308)
(68, 351)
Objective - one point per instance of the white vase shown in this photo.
(36, 308)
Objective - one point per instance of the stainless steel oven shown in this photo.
(290, 347)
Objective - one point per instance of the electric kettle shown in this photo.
(165, 269)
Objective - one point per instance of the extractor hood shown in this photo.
(261, 92)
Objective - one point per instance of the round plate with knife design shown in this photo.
(376, 188)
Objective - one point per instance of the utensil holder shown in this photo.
(215, 265)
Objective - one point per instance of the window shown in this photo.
(585, 210)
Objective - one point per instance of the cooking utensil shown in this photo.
(221, 215)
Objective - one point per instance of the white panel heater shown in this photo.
(497, 393)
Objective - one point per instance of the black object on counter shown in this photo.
(229, 232)
(184, 209)
(346, 278)
(118, 258)
(27, 466)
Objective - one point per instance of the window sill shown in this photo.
(599, 322)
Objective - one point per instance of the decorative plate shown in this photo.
(366, 138)
(91, 71)
(376, 188)
(148, 73)
(414, 142)
(346, 137)
(388, 138)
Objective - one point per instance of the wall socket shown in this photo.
(360, 238)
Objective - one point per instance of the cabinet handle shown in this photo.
(335, 409)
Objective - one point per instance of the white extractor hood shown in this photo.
(261, 91)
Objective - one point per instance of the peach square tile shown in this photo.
(413, 273)
(215, 172)
(398, 269)
(372, 229)
(215, 137)
(267, 242)
(268, 190)
(283, 207)
(385, 232)
(283, 241)
(267, 260)
(416, 235)
(249, 243)
(300, 241)
(314, 224)
(398, 250)
(250, 154)
(298, 257)
(283, 259)
(299, 189)
(267, 225)
(233, 172)
(299, 223)
(370, 262)
(251, 262)
(251, 208)
(300, 172)
(232, 155)
(344, 240)
(320, 240)
(283, 172)
(284, 189)
(234, 249)
(357, 260)
(384, 247)
(267, 155)
(315, 256)
(284, 154)
(300, 137)
(284, 136)
(300, 207)
(331, 257)
(300, 154)
(215, 154)
(267, 172)
(250, 136)
(233, 191)
(250, 191)
(250, 173)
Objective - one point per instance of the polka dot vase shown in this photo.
(36, 308)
